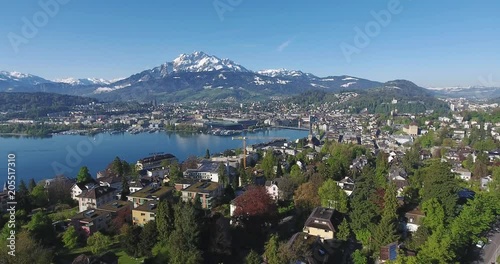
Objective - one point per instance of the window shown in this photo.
(316, 221)
(143, 214)
(411, 219)
(151, 215)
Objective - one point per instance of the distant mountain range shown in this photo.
(196, 76)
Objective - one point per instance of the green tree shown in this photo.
(40, 227)
(207, 154)
(175, 173)
(23, 197)
(39, 196)
(344, 231)
(434, 214)
(279, 170)
(440, 183)
(332, 196)
(83, 175)
(358, 257)
(130, 239)
(183, 243)
(125, 189)
(28, 250)
(437, 248)
(98, 243)
(32, 184)
(385, 231)
(271, 250)
(164, 220)
(70, 238)
(364, 211)
(296, 175)
(148, 238)
(117, 167)
(268, 163)
(223, 176)
(253, 258)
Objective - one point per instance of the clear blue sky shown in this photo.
(433, 43)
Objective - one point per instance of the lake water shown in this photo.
(42, 158)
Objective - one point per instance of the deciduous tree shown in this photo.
(98, 243)
(332, 196)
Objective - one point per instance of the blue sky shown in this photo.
(433, 43)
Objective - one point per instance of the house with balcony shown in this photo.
(153, 192)
(93, 220)
(206, 191)
(95, 197)
(206, 171)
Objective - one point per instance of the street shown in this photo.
(491, 250)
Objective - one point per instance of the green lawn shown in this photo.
(63, 215)
(115, 248)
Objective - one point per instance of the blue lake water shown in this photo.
(42, 158)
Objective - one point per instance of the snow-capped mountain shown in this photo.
(85, 81)
(284, 73)
(199, 76)
(16, 79)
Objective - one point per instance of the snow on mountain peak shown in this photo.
(85, 81)
(283, 73)
(23, 78)
(202, 62)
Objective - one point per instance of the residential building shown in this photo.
(93, 220)
(414, 219)
(463, 174)
(411, 129)
(323, 222)
(155, 161)
(273, 189)
(155, 192)
(206, 171)
(346, 184)
(95, 197)
(205, 191)
(144, 213)
(79, 187)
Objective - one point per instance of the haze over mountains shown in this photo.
(199, 76)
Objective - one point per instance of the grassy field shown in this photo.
(115, 248)
(64, 214)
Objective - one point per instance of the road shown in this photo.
(492, 249)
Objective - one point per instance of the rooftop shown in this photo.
(89, 215)
(202, 187)
(151, 206)
(157, 158)
(114, 206)
(96, 192)
(153, 191)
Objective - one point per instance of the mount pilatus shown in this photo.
(196, 76)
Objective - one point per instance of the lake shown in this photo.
(42, 158)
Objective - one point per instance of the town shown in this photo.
(361, 188)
